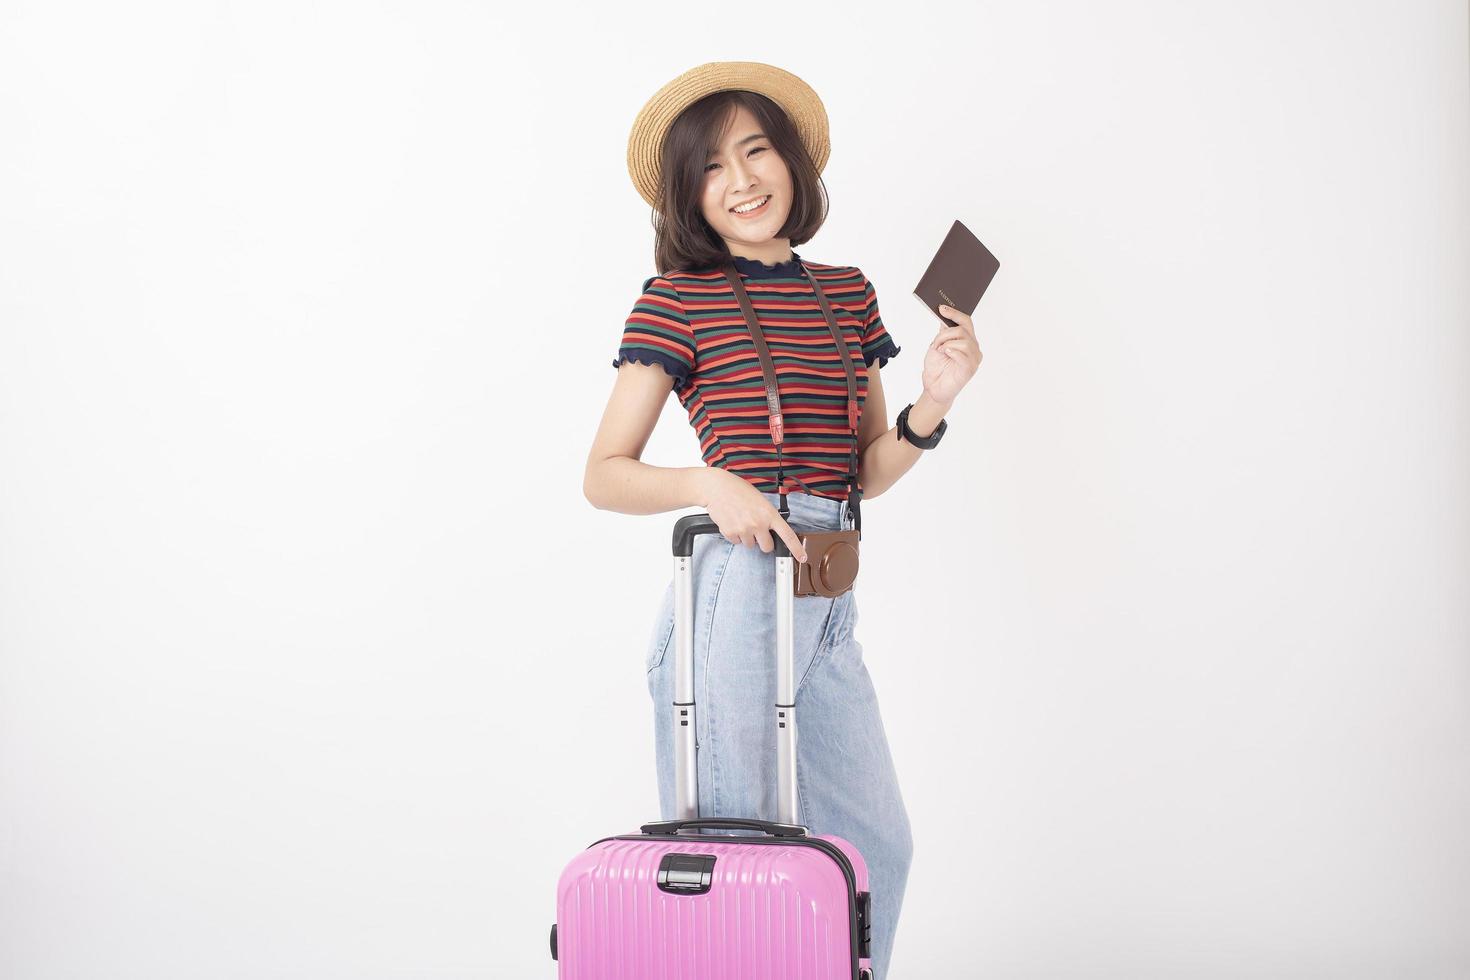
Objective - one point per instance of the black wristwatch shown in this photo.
(906, 434)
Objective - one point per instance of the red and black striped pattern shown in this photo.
(690, 324)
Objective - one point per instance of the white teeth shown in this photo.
(752, 206)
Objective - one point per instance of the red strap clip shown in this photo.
(852, 413)
(777, 430)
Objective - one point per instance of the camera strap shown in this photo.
(773, 393)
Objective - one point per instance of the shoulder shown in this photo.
(833, 270)
(662, 290)
(657, 284)
(834, 274)
(688, 287)
(679, 279)
(691, 278)
(846, 284)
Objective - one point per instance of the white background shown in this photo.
(314, 661)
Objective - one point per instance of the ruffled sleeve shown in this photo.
(658, 332)
(878, 345)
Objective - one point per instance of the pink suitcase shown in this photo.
(670, 903)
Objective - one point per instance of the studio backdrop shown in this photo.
(315, 662)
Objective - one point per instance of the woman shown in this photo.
(729, 154)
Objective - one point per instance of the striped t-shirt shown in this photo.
(690, 324)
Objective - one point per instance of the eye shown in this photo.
(753, 152)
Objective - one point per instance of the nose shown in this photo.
(740, 177)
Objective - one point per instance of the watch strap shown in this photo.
(904, 433)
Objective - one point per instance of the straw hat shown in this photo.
(796, 97)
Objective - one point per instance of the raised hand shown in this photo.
(952, 359)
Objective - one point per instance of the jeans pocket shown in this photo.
(825, 637)
(663, 633)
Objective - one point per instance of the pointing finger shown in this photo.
(792, 539)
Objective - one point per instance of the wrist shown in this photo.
(926, 415)
(699, 485)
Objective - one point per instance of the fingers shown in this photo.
(949, 333)
(792, 539)
(761, 538)
(961, 351)
(950, 313)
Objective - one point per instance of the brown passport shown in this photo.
(959, 273)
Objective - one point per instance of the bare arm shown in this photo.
(616, 478)
(883, 458)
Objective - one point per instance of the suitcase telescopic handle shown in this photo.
(685, 530)
(691, 525)
(783, 711)
(726, 823)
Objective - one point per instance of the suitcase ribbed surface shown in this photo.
(774, 910)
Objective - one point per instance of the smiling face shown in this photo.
(745, 168)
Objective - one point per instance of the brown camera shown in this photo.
(832, 563)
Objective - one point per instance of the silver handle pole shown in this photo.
(785, 687)
(686, 772)
(686, 762)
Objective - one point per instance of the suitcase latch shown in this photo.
(686, 874)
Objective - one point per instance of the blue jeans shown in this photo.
(846, 784)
